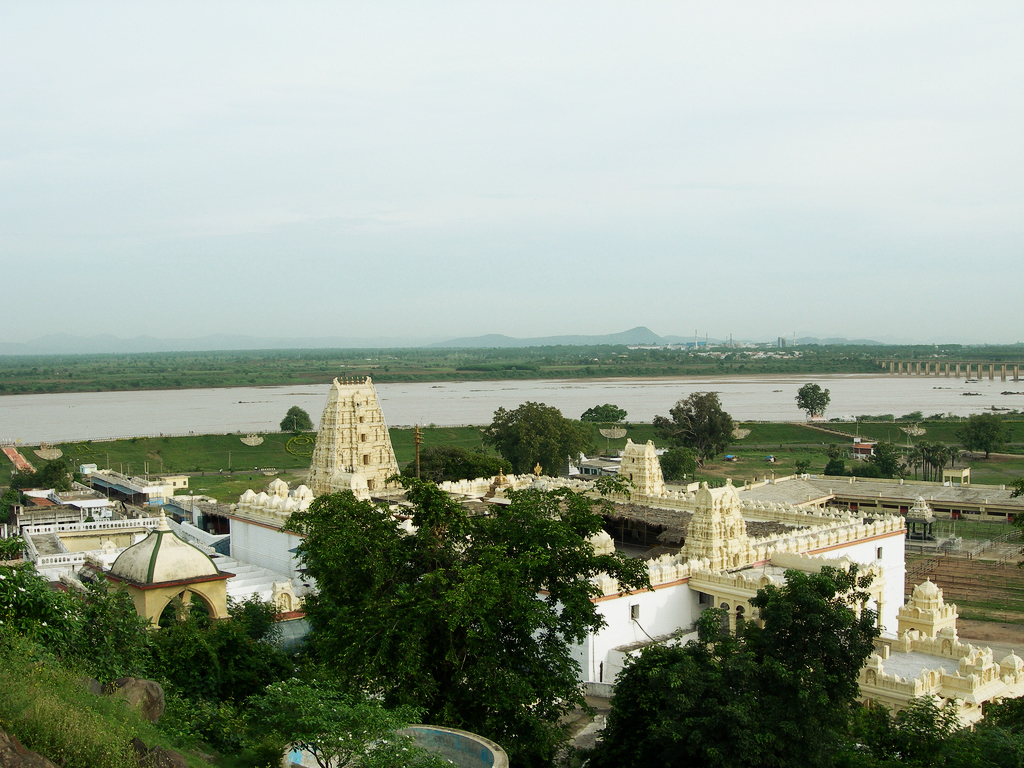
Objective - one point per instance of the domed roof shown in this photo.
(302, 492)
(921, 512)
(278, 487)
(927, 592)
(1013, 661)
(162, 557)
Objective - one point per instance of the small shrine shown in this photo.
(163, 567)
(920, 520)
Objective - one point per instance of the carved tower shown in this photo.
(640, 464)
(717, 530)
(353, 448)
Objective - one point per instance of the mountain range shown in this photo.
(67, 344)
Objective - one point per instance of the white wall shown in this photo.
(893, 564)
(662, 612)
(264, 547)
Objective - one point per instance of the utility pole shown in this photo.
(417, 438)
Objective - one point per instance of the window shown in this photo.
(362, 437)
(634, 613)
(366, 459)
(878, 554)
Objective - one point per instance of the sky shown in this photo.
(448, 169)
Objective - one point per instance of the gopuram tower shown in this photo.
(353, 448)
(717, 530)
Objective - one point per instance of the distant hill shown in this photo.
(67, 344)
(638, 335)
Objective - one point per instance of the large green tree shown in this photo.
(296, 420)
(440, 463)
(698, 422)
(468, 618)
(55, 473)
(678, 464)
(604, 414)
(983, 432)
(535, 433)
(779, 692)
(813, 399)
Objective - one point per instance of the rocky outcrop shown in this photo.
(146, 695)
(14, 755)
(157, 757)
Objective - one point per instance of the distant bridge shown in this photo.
(969, 369)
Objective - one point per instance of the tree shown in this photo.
(835, 467)
(678, 464)
(887, 459)
(224, 660)
(468, 618)
(604, 414)
(336, 729)
(698, 422)
(780, 694)
(535, 433)
(54, 474)
(442, 463)
(296, 420)
(813, 399)
(983, 432)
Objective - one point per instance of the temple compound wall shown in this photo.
(353, 449)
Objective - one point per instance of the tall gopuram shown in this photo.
(353, 448)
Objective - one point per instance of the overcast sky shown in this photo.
(527, 168)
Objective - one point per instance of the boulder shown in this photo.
(157, 757)
(14, 755)
(146, 695)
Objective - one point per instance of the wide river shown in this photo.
(32, 419)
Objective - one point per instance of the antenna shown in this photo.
(612, 433)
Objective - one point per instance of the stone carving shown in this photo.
(717, 531)
(353, 449)
(641, 466)
(927, 612)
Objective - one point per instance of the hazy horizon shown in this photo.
(452, 169)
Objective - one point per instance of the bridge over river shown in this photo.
(968, 369)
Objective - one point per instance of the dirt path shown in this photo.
(981, 632)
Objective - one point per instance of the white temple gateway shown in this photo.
(353, 449)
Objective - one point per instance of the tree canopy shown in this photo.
(813, 399)
(335, 728)
(296, 420)
(443, 463)
(983, 432)
(470, 619)
(55, 474)
(698, 422)
(535, 433)
(678, 464)
(604, 414)
(773, 695)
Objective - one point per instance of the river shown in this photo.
(31, 419)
